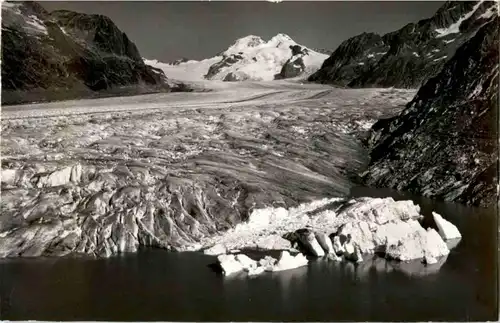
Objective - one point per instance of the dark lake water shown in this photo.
(155, 285)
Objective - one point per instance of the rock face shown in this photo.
(445, 143)
(65, 54)
(252, 58)
(407, 57)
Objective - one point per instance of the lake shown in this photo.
(156, 285)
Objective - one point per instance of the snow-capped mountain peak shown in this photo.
(250, 58)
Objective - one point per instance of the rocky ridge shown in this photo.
(445, 143)
(64, 54)
(409, 56)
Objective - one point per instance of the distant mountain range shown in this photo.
(65, 54)
(408, 57)
(249, 58)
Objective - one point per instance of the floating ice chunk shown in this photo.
(229, 264)
(267, 263)
(325, 242)
(287, 261)
(215, 250)
(446, 229)
(418, 243)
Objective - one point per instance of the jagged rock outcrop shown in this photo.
(353, 57)
(64, 54)
(445, 143)
(226, 61)
(252, 58)
(410, 56)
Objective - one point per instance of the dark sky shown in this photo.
(173, 29)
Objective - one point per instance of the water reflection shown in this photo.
(362, 272)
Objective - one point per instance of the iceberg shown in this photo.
(229, 264)
(325, 242)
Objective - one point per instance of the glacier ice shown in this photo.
(231, 264)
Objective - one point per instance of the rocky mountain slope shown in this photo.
(445, 143)
(409, 56)
(250, 58)
(64, 54)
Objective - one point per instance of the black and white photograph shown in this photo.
(262, 161)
